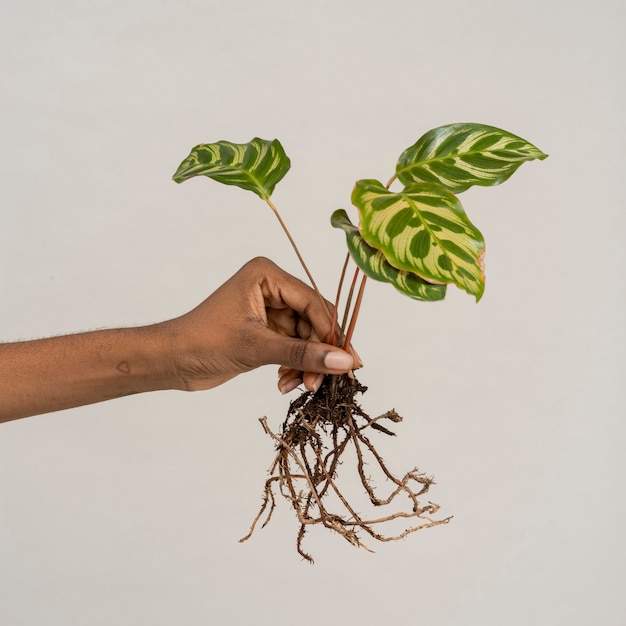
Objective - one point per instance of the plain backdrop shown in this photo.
(129, 512)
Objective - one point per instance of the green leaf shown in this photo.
(373, 263)
(257, 166)
(423, 230)
(458, 156)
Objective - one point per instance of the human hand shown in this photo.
(261, 315)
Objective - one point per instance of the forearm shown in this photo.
(62, 372)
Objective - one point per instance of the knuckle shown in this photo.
(259, 270)
(299, 353)
(259, 263)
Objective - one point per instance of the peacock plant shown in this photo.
(419, 239)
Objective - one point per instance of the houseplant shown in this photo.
(413, 233)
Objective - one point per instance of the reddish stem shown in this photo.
(355, 312)
(349, 301)
(333, 327)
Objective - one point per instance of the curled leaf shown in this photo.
(257, 165)
(373, 263)
(424, 230)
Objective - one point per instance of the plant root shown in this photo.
(319, 429)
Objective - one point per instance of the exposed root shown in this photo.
(319, 429)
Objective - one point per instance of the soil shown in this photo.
(320, 432)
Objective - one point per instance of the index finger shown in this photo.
(281, 290)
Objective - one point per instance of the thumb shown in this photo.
(309, 356)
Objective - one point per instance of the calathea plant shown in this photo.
(419, 239)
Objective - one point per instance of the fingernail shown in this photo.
(317, 383)
(290, 386)
(340, 361)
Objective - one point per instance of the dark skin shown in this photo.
(262, 315)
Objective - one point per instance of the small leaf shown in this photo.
(257, 166)
(423, 230)
(458, 156)
(373, 263)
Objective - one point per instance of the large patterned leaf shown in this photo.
(423, 230)
(373, 263)
(257, 166)
(458, 156)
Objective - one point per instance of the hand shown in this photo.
(261, 315)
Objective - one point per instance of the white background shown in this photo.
(129, 512)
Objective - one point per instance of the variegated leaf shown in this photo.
(423, 230)
(458, 156)
(257, 166)
(373, 263)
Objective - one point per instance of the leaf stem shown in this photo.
(357, 308)
(349, 300)
(296, 250)
(336, 311)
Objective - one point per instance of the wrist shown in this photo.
(162, 350)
